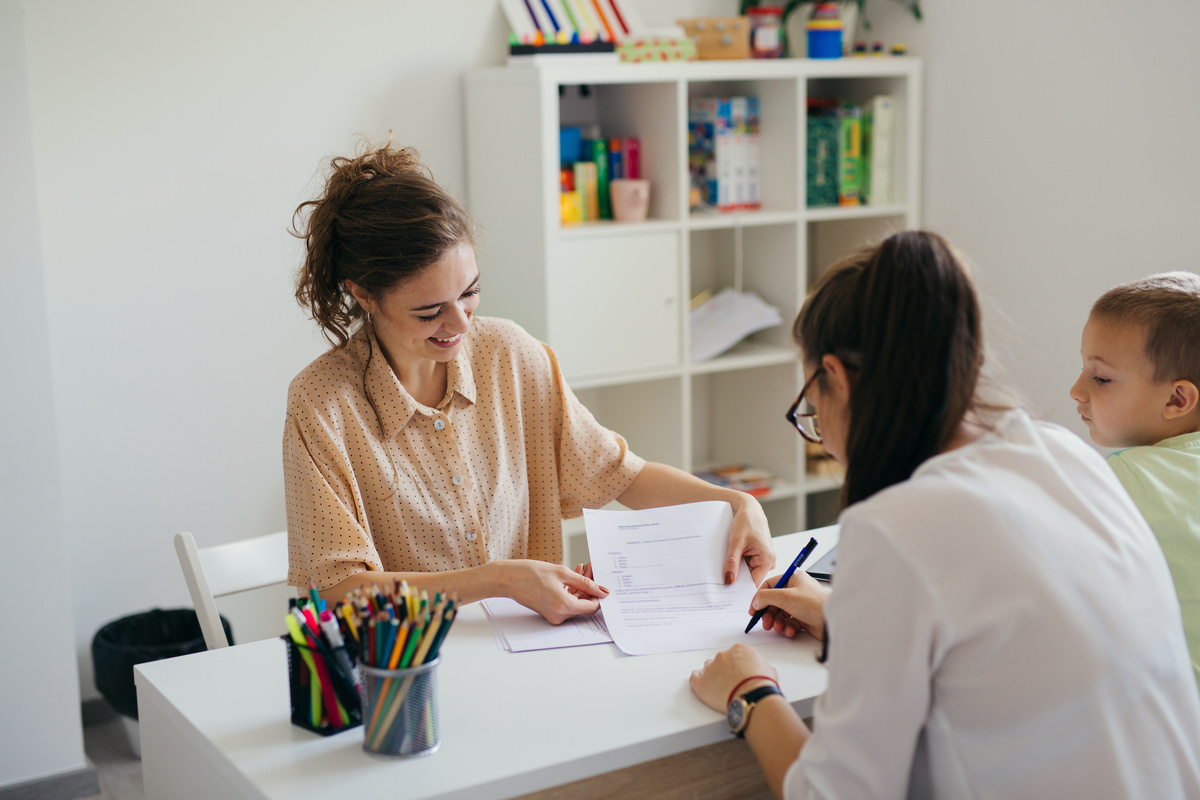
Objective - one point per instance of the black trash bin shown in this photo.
(136, 639)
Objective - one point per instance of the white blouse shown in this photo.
(1003, 625)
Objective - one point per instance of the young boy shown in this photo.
(1139, 391)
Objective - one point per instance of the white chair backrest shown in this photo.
(213, 572)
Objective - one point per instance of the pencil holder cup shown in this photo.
(323, 688)
(400, 711)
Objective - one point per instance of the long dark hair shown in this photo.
(903, 316)
(380, 220)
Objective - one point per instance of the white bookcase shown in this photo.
(612, 298)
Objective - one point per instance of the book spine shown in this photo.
(850, 159)
(591, 194)
(599, 157)
(822, 161)
(738, 123)
(753, 157)
(616, 165)
(702, 133)
(725, 150)
(581, 183)
(882, 150)
(632, 157)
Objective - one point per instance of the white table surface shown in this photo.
(217, 724)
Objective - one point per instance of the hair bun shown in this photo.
(373, 162)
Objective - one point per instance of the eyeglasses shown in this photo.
(806, 421)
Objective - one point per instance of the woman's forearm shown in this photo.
(662, 485)
(469, 585)
(776, 734)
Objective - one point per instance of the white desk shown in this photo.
(217, 724)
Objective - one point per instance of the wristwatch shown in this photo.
(738, 714)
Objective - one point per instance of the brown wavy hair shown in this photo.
(380, 220)
(904, 317)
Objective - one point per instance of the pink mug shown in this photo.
(630, 198)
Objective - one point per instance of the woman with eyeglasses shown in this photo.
(1002, 623)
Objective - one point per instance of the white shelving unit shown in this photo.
(612, 298)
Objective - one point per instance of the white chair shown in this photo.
(213, 572)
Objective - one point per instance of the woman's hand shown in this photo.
(552, 590)
(586, 571)
(713, 682)
(798, 607)
(749, 538)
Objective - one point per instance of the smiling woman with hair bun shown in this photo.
(434, 445)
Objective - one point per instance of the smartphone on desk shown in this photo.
(823, 569)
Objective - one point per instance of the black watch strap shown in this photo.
(754, 695)
(738, 713)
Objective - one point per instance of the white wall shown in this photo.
(172, 143)
(1061, 154)
(39, 686)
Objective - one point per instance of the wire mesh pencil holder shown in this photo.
(317, 681)
(400, 711)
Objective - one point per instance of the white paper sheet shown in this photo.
(518, 629)
(725, 319)
(664, 568)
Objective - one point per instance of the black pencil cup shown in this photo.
(315, 678)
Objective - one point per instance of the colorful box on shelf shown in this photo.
(655, 49)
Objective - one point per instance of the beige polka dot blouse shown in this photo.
(377, 481)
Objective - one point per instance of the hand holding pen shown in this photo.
(801, 606)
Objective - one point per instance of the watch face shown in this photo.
(735, 715)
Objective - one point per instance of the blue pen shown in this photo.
(801, 557)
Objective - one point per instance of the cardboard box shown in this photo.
(719, 37)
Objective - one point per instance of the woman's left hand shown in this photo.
(749, 539)
(721, 674)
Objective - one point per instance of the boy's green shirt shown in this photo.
(1164, 481)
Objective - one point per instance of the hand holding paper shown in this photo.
(664, 569)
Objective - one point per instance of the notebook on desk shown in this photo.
(823, 569)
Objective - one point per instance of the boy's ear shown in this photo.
(1183, 400)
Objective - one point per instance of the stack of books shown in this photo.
(742, 477)
(851, 152)
(587, 167)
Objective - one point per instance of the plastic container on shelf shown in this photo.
(766, 31)
(825, 32)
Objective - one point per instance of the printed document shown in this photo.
(518, 629)
(663, 567)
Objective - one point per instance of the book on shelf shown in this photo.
(879, 123)
(850, 155)
(597, 152)
(588, 165)
(851, 152)
(822, 153)
(585, 184)
(616, 162)
(742, 477)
